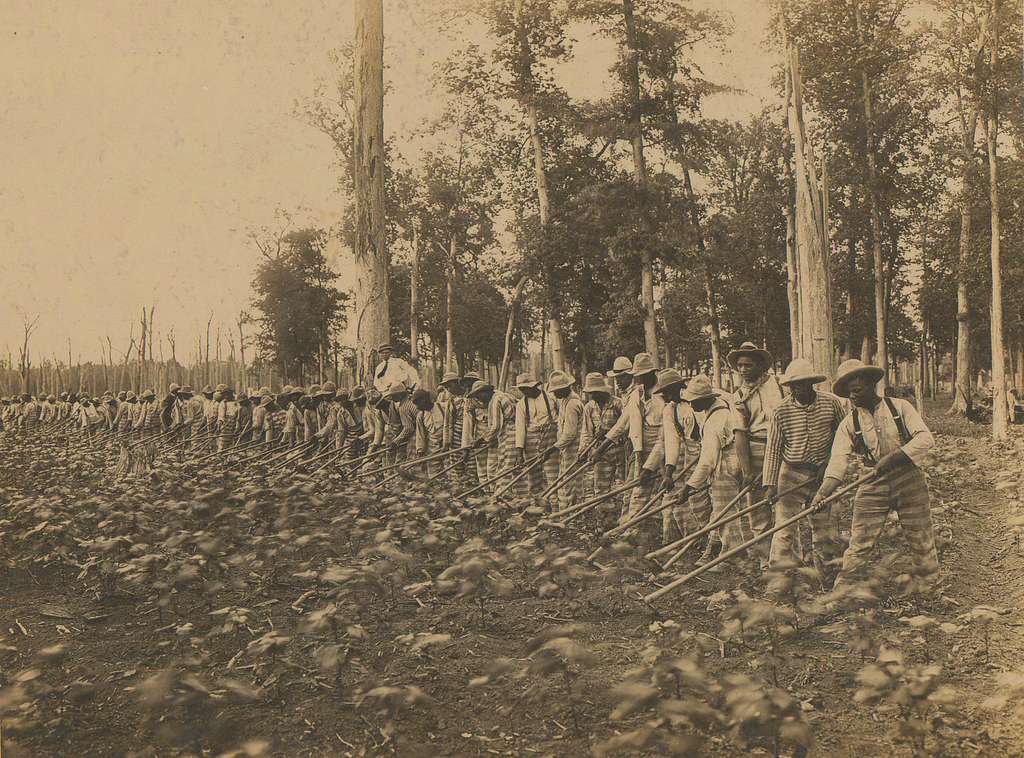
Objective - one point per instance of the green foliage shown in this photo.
(300, 308)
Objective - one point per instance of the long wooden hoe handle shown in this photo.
(672, 586)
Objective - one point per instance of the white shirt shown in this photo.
(394, 370)
(881, 435)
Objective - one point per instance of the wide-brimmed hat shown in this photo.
(51, 398)
(222, 388)
(643, 363)
(801, 370)
(313, 391)
(341, 394)
(698, 387)
(328, 389)
(595, 382)
(668, 377)
(471, 376)
(129, 395)
(358, 393)
(559, 380)
(207, 390)
(148, 395)
(175, 387)
(753, 351)
(266, 400)
(850, 369)
(396, 388)
(449, 376)
(621, 365)
(478, 386)
(525, 381)
(185, 389)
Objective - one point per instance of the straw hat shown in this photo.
(697, 388)
(849, 370)
(525, 381)
(173, 388)
(801, 370)
(328, 389)
(478, 386)
(207, 390)
(668, 378)
(750, 350)
(621, 365)
(222, 388)
(559, 380)
(595, 382)
(449, 376)
(643, 363)
(471, 376)
(314, 390)
(148, 395)
(396, 388)
(266, 400)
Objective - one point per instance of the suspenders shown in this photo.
(861, 447)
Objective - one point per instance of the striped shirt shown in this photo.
(801, 434)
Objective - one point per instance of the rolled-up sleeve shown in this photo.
(842, 447)
(710, 449)
(670, 434)
(921, 440)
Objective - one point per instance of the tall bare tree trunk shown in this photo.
(1000, 428)
(812, 246)
(639, 169)
(881, 329)
(371, 254)
(792, 278)
(414, 298)
(513, 308)
(449, 323)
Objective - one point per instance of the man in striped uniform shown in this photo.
(600, 413)
(799, 439)
(567, 441)
(490, 416)
(431, 430)
(259, 415)
(758, 396)
(452, 401)
(146, 424)
(717, 461)
(227, 418)
(680, 441)
(401, 423)
(536, 428)
(890, 436)
(642, 412)
(293, 424)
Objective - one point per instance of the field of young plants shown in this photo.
(245, 613)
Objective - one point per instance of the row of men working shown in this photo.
(776, 440)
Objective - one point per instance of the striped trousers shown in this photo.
(725, 487)
(825, 543)
(685, 517)
(566, 459)
(760, 519)
(906, 492)
(538, 480)
(641, 493)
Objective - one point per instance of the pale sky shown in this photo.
(140, 141)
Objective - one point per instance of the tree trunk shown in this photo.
(792, 276)
(1000, 429)
(529, 104)
(812, 253)
(449, 332)
(851, 343)
(876, 218)
(513, 307)
(371, 254)
(414, 298)
(639, 170)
